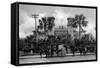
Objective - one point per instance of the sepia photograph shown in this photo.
(50, 33)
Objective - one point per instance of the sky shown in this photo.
(27, 23)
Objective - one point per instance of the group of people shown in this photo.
(51, 51)
(61, 50)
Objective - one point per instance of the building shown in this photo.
(61, 31)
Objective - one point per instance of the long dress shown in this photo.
(62, 50)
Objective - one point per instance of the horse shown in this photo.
(73, 50)
(81, 49)
(43, 49)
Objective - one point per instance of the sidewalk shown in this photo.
(37, 59)
(38, 56)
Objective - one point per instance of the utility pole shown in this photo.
(35, 16)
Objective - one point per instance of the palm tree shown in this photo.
(51, 23)
(77, 21)
(46, 24)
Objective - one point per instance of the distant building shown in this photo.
(75, 32)
(60, 31)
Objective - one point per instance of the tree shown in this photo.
(77, 21)
(50, 23)
(46, 24)
(21, 44)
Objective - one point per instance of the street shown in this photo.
(37, 59)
